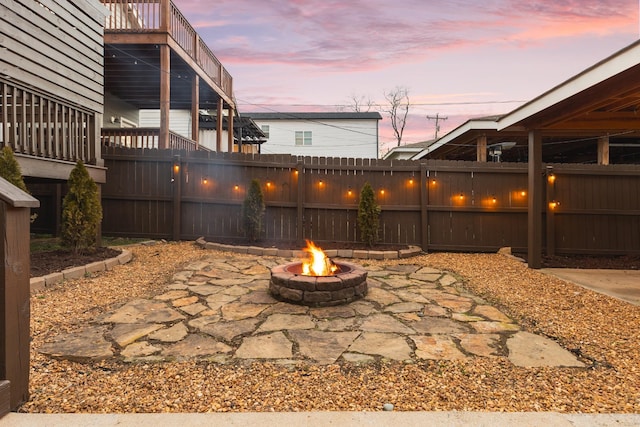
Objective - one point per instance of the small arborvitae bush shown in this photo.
(253, 211)
(10, 169)
(368, 215)
(81, 211)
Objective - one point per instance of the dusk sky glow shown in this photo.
(459, 59)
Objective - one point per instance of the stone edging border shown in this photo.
(331, 253)
(42, 282)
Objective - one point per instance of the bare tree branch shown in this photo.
(398, 109)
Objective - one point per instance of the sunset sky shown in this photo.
(459, 59)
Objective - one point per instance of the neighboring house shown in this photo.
(247, 136)
(407, 151)
(330, 134)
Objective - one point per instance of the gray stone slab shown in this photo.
(88, 344)
(277, 322)
(389, 346)
(227, 331)
(382, 297)
(344, 311)
(530, 350)
(323, 347)
(173, 334)
(194, 309)
(196, 346)
(270, 346)
(487, 327)
(206, 290)
(385, 323)
(239, 311)
(437, 347)
(486, 345)
(171, 295)
(439, 325)
(140, 349)
(404, 307)
(144, 311)
(126, 333)
(491, 313)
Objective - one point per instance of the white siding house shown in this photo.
(332, 134)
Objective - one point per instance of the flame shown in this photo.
(318, 264)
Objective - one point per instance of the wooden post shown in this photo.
(15, 210)
(165, 95)
(551, 226)
(424, 206)
(481, 148)
(195, 109)
(300, 200)
(176, 173)
(230, 130)
(603, 150)
(534, 229)
(219, 126)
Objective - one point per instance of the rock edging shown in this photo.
(291, 253)
(42, 282)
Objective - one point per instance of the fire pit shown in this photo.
(318, 282)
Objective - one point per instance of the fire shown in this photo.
(318, 264)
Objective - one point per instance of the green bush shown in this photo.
(368, 215)
(253, 211)
(10, 169)
(81, 211)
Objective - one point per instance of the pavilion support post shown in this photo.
(195, 109)
(219, 126)
(165, 95)
(176, 174)
(481, 148)
(550, 210)
(230, 130)
(300, 200)
(534, 223)
(603, 150)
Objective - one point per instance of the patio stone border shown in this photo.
(291, 253)
(42, 282)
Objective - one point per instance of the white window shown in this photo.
(303, 137)
(265, 130)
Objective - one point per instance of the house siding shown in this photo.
(179, 121)
(55, 46)
(330, 137)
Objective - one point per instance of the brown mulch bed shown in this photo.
(43, 263)
(602, 331)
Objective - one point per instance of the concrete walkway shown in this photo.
(302, 419)
(621, 284)
(220, 309)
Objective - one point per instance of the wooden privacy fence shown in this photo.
(438, 205)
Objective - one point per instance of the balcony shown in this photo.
(154, 59)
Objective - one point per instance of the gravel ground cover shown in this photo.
(603, 331)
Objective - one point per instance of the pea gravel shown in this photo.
(603, 331)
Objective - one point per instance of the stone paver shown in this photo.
(220, 309)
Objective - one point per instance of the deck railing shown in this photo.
(142, 16)
(144, 138)
(36, 125)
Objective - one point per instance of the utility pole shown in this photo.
(437, 118)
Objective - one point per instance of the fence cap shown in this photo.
(15, 197)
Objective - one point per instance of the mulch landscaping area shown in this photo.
(602, 331)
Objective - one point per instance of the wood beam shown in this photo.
(481, 148)
(165, 96)
(534, 222)
(603, 150)
(195, 109)
(219, 126)
(230, 131)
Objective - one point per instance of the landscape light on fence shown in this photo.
(551, 178)
(410, 181)
(553, 204)
(461, 197)
(320, 183)
(382, 191)
(205, 180)
(268, 184)
(176, 168)
(236, 187)
(494, 200)
(349, 192)
(433, 182)
(523, 193)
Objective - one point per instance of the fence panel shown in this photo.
(469, 206)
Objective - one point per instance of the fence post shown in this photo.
(424, 204)
(550, 211)
(300, 201)
(15, 211)
(176, 173)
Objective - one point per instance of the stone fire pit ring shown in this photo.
(288, 284)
